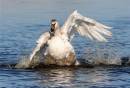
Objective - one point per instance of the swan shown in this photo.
(55, 45)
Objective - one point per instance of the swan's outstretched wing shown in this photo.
(41, 42)
(85, 27)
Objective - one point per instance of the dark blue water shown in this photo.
(22, 22)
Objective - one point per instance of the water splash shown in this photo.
(24, 62)
(103, 56)
(92, 56)
(33, 59)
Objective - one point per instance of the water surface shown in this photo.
(22, 22)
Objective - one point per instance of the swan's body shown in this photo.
(59, 45)
(59, 48)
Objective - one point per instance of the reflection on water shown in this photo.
(57, 77)
(68, 76)
(85, 77)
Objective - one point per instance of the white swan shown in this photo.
(59, 50)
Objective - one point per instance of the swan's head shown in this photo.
(54, 25)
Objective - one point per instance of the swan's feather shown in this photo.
(59, 47)
(85, 27)
(41, 42)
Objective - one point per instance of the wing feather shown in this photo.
(86, 27)
(40, 44)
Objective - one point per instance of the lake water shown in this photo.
(23, 21)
